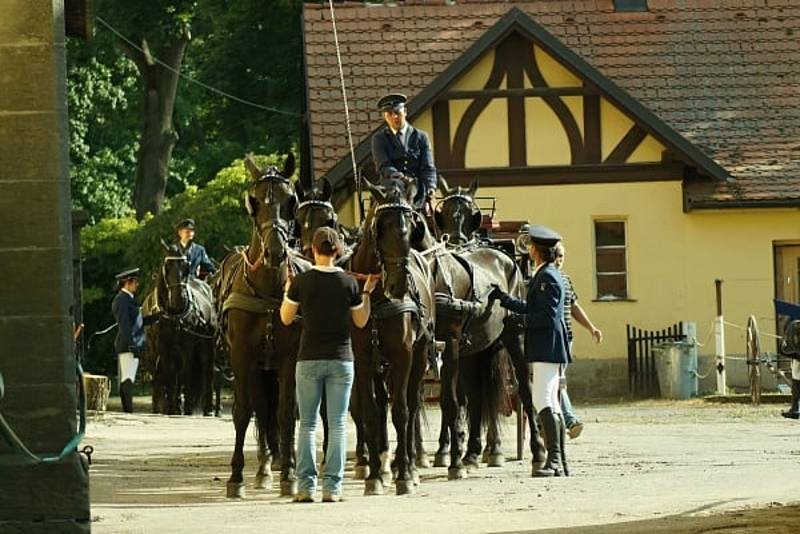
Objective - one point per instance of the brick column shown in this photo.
(36, 286)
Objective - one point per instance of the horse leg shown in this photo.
(368, 407)
(259, 398)
(360, 469)
(273, 428)
(470, 378)
(241, 420)
(493, 380)
(323, 413)
(207, 382)
(421, 456)
(451, 419)
(414, 395)
(382, 399)
(286, 411)
(401, 355)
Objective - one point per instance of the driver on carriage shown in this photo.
(200, 265)
(399, 149)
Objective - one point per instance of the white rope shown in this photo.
(188, 78)
(344, 98)
(740, 327)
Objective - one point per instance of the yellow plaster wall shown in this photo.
(475, 78)
(649, 150)
(488, 141)
(546, 141)
(614, 126)
(555, 74)
(673, 257)
(425, 123)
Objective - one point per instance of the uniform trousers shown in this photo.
(546, 379)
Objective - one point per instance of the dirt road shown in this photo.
(645, 467)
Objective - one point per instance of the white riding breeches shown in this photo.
(128, 364)
(795, 369)
(546, 378)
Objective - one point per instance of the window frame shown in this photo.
(626, 248)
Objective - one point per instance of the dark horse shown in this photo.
(459, 217)
(400, 330)
(183, 363)
(263, 351)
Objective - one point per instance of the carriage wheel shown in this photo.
(753, 346)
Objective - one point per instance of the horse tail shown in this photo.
(494, 373)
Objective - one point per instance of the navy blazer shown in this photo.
(130, 325)
(415, 159)
(198, 257)
(546, 333)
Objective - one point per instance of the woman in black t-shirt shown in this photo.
(330, 302)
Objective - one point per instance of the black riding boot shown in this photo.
(551, 423)
(794, 411)
(126, 396)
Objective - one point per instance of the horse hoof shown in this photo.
(441, 459)
(422, 461)
(485, 456)
(470, 461)
(537, 465)
(415, 477)
(235, 490)
(360, 472)
(496, 460)
(263, 481)
(404, 487)
(373, 486)
(456, 473)
(275, 464)
(288, 488)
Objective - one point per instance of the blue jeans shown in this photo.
(566, 406)
(335, 377)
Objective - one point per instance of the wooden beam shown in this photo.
(441, 133)
(559, 175)
(591, 129)
(530, 92)
(627, 145)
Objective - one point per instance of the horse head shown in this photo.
(392, 226)
(174, 281)
(268, 187)
(457, 215)
(314, 211)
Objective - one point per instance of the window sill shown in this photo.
(614, 300)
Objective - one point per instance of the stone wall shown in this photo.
(36, 292)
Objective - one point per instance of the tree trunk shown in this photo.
(158, 136)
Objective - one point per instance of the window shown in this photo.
(611, 260)
(630, 5)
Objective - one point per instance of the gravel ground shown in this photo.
(643, 467)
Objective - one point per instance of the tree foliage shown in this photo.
(116, 244)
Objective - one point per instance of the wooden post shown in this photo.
(719, 342)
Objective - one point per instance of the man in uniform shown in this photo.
(399, 149)
(129, 343)
(195, 253)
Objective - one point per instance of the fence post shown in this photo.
(719, 342)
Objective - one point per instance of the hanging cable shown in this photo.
(195, 81)
(347, 112)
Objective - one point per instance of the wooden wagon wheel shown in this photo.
(753, 347)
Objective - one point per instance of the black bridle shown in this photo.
(182, 283)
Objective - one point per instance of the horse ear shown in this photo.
(252, 168)
(376, 191)
(473, 188)
(477, 220)
(443, 187)
(299, 190)
(288, 166)
(327, 190)
(251, 204)
(411, 188)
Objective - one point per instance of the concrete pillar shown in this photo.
(36, 286)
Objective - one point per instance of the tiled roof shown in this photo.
(722, 73)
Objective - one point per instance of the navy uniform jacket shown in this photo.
(546, 333)
(415, 159)
(198, 257)
(130, 325)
